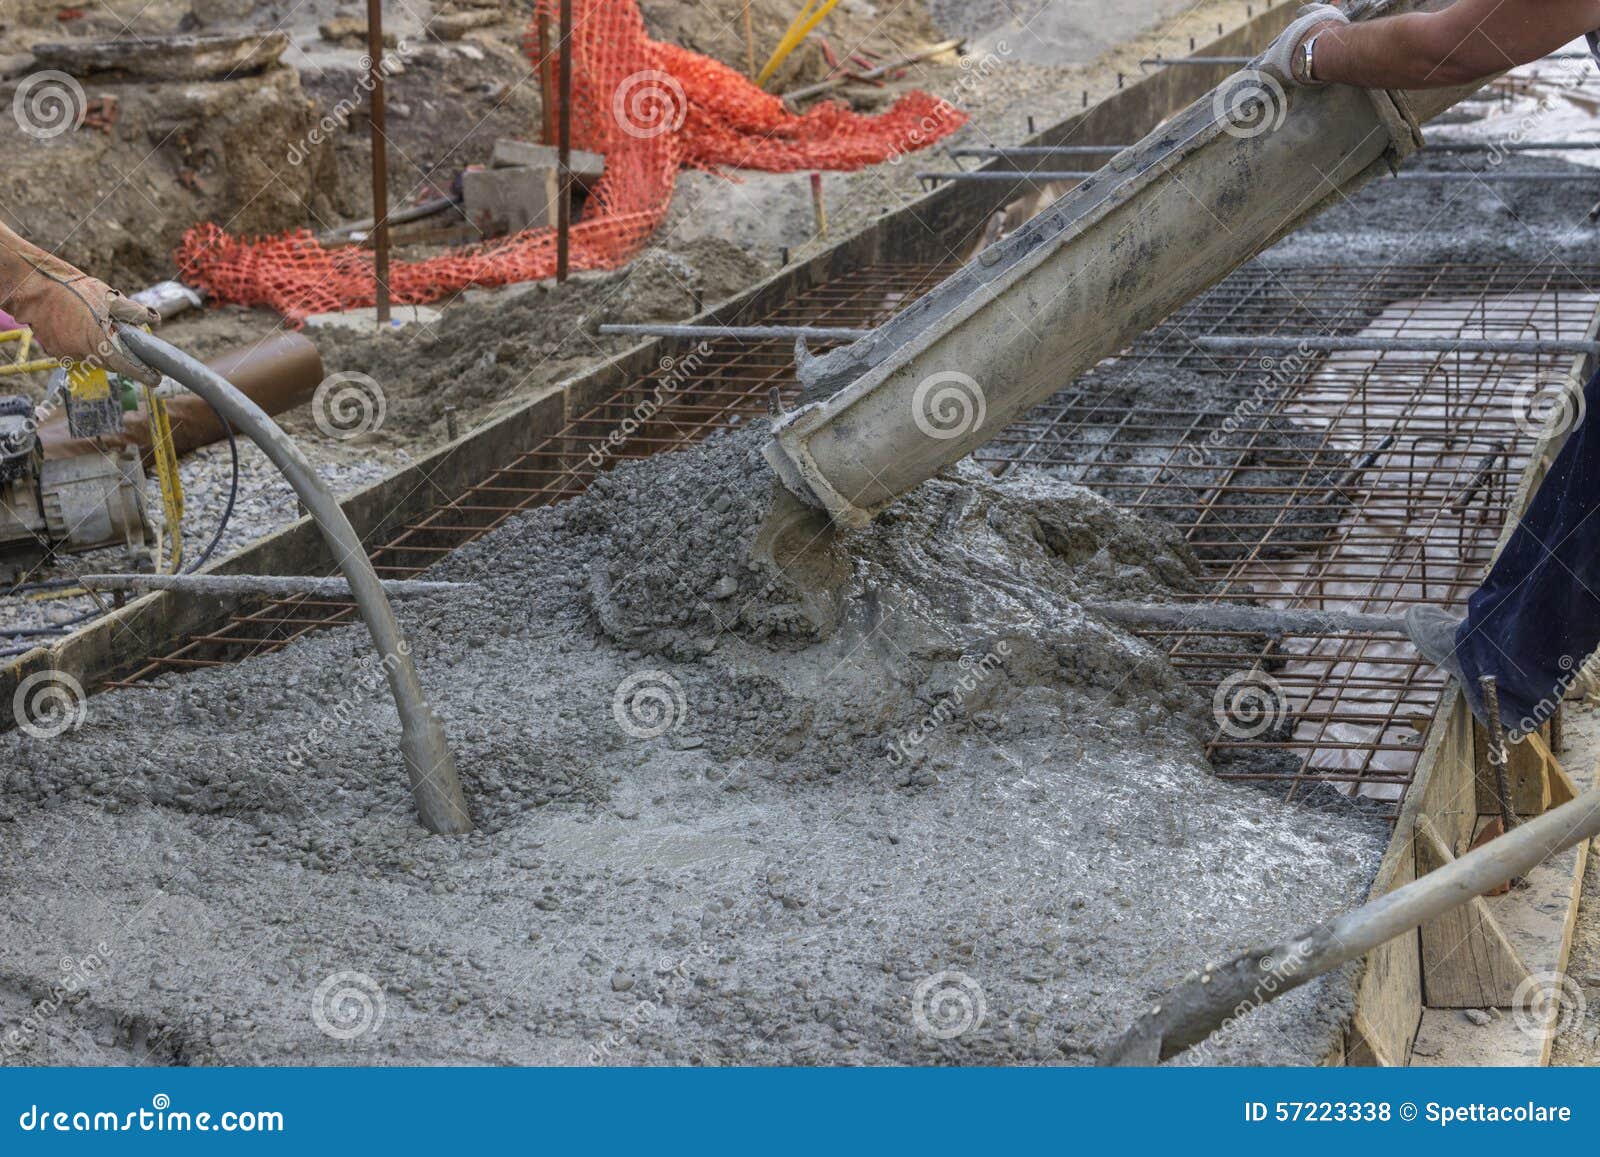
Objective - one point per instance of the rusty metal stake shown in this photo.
(818, 205)
(1499, 756)
(380, 161)
(564, 147)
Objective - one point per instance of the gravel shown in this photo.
(895, 801)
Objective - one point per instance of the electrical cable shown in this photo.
(233, 494)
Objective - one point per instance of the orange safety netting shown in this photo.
(650, 108)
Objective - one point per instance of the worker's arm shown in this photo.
(1466, 42)
(72, 314)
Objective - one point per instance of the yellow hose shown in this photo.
(809, 17)
(166, 461)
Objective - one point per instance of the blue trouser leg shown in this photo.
(1536, 618)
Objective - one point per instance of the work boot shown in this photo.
(1433, 633)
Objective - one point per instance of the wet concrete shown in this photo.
(896, 801)
(951, 820)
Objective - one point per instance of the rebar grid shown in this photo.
(1365, 481)
(715, 385)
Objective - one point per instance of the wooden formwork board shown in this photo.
(1412, 1005)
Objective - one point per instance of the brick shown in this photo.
(509, 200)
(586, 167)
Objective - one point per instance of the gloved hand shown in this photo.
(1282, 59)
(73, 316)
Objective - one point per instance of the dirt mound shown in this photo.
(116, 201)
(489, 351)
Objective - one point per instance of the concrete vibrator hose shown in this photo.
(435, 786)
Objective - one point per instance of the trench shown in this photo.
(1362, 481)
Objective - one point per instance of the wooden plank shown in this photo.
(1467, 961)
(1515, 1038)
(1538, 920)
(1530, 786)
(1389, 993)
(1561, 789)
